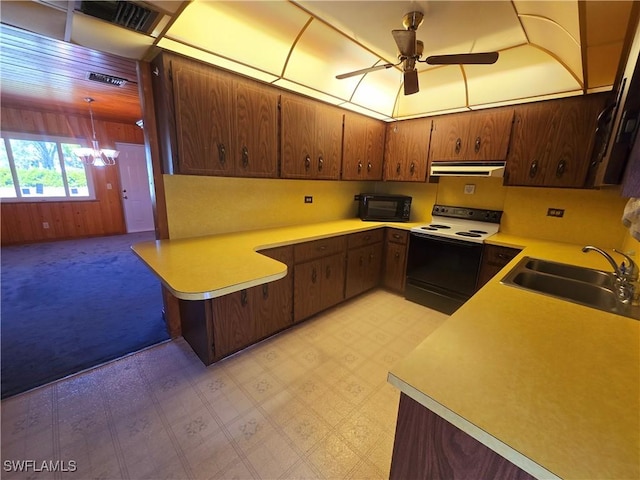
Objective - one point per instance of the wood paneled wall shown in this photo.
(22, 222)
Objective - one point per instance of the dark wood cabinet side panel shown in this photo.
(427, 447)
(197, 329)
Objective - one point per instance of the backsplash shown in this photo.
(212, 205)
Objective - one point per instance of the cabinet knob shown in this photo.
(245, 157)
(222, 154)
(307, 162)
(477, 145)
(397, 255)
(369, 166)
(314, 275)
(359, 167)
(398, 168)
(243, 298)
(397, 236)
(412, 168)
(265, 291)
(458, 145)
(533, 169)
(320, 163)
(560, 169)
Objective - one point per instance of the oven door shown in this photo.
(441, 272)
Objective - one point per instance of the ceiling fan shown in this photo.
(411, 52)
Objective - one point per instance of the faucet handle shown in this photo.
(632, 271)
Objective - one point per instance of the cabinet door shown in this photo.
(327, 160)
(306, 289)
(489, 134)
(531, 143)
(363, 148)
(353, 159)
(233, 323)
(406, 150)
(203, 108)
(332, 271)
(256, 146)
(449, 137)
(373, 266)
(297, 138)
(354, 271)
(395, 266)
(494, 258)
(273, 302)
(576, 122)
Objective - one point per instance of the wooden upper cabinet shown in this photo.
(363, 148)
(311, 139)
(406, 150)
(203, 107)
(256, 130)
(552, 142)
(471, 136)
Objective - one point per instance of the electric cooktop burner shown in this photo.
(472, 224)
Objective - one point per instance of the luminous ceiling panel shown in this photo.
(308, 63)
(304, 90)
(259, 34)
(102, 36)
(378, 90)
(523, 72)
(563, 13)
(553, 38)
(441, 89)
(212, 59)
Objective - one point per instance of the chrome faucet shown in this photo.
(624, 275)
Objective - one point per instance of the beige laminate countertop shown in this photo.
(550, 385)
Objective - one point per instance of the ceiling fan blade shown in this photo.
(411, 82)
(464, 58)
(364, 70)
(406, 41)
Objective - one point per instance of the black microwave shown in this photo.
(384, 208)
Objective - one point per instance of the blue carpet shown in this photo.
(70, 305)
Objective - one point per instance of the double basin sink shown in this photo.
(585, 286)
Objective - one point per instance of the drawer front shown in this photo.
(318, 248)
(395, 235)
(361, 239)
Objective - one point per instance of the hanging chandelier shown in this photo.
(97, 156)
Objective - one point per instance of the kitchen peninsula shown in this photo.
(551, 386)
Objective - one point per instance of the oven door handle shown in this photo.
(451, 241)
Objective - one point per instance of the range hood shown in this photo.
(467, 169)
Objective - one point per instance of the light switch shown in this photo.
(109, 187)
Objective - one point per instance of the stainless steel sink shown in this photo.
(585, 286)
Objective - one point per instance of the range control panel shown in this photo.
(476, 214)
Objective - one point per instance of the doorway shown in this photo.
(134, 184)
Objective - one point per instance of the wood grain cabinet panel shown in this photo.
(427, 446)
(234, 324)
(203, 108)
(273, 302)
(553, 141)
(406, 150)
(311, 139)
(256, 130)
(364, 261)
(471, 136)
(395, 259)
(363, 148)
(494, 258)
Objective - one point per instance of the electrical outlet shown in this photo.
(469, 189)
(45, 224)
(308, 199)
(555, 212)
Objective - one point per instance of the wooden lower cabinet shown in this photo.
(364, 261)
(395, 259)
(221, 326)
(426, 446)
(318, 284)
(494, 258)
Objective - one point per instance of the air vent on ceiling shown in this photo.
(104, 78)
(131, 15)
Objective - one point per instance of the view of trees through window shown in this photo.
(41, 169)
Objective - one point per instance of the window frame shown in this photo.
(6, 136)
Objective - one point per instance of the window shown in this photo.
(42, 169)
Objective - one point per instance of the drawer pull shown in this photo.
(320, 163)
(314, 275)
(369, 166)
(397, 255)
(222, 154)
(245, 157)
(562, 166)
(243, 298)
(412, 168)
(265, 291)
(458, 145)
(398, 169)
(533, 169)
(477, 145)
(359, 167)
(397, 236)
(307, 162)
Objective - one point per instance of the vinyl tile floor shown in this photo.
(311, 402)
